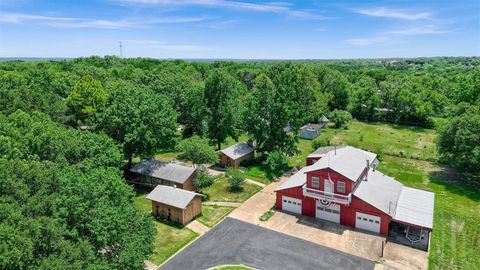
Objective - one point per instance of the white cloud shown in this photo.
(421, 30)
(73, 22)
(393, 13)
(139, 44)
(272, 7)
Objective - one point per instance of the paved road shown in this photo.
(237, 242)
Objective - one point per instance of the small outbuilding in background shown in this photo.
(310, 131)
(233, 155)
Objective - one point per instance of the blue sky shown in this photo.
(240, 29)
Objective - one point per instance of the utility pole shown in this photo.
(121, 52)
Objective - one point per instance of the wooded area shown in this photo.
(67, 126)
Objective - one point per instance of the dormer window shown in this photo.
(315, 182)
(341, 186)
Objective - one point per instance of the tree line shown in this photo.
(66, 127)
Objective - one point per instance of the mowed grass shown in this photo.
(409, 155)
(212, 214)
(169, 238)
(220, 191)
(305, 147)
(257, 173)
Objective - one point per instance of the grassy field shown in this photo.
(409, 155)
(169, 238)
(257, 173)
(220, 191)
(212, 214)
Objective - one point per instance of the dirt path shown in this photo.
(197, 227)
(229, 204)
(255, 183)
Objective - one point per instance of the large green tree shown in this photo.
(86, 99)
(197, 150)
(223, 106)
(140, 120)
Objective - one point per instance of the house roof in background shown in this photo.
(175, 197)
(238, 150)
(312, 127)
(163, 170)
(324, 119)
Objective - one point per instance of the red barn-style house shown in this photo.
(341, 184)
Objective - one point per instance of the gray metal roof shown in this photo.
(175, 197)
(238, 150)
(314, 127)
(320, 152)
(348, 161)
(380, 191)
(163, 170)
(296, 180)
(415, 207)
(324, 119)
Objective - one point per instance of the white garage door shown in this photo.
(367, 222)
(291, 204)
(330, 213)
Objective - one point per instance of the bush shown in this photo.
(320, 143)
(203, 180)
(340, 118)
(276, 164)
(236, 178)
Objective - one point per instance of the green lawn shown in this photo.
(409, 155)
(212, 214)
(305, 147)
(220, 191)
(257, 173)
(169, 238)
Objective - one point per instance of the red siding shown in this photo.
(334, 176)
(311, 160)
(295, 192)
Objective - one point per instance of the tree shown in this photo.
(459, 139)
(236, 179)
(276, 164)
(197, 150)
(340, 118)
(86, 100)
(364, 98)
(334, 83)
(221, 92)
(203, 180)
(141, 121)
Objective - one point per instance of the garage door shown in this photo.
(367, 222)
(292, 205)
(330, 213)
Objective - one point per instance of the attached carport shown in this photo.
(413, 219)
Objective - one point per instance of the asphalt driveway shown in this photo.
(237, 242)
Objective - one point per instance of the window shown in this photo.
(359, 218)
(376, 221)
(341, 186)
(315, 182)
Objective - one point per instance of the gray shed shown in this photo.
(310, 131)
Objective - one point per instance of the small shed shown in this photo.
(324, 121)
(154, 172)
(233, 155)
(174, 204)
(310, 131)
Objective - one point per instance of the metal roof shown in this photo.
(296, 180)
(415, 207)
(238, 150)
(324, 119)
(172, 196)
(320, 152)
(314, 127)
(380, 191)
(163, 170)
(348, 161)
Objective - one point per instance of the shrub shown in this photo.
(340, 118)
(276, 164)
(236, 179)
(319, 143)
(197, 150)
(203, 180)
